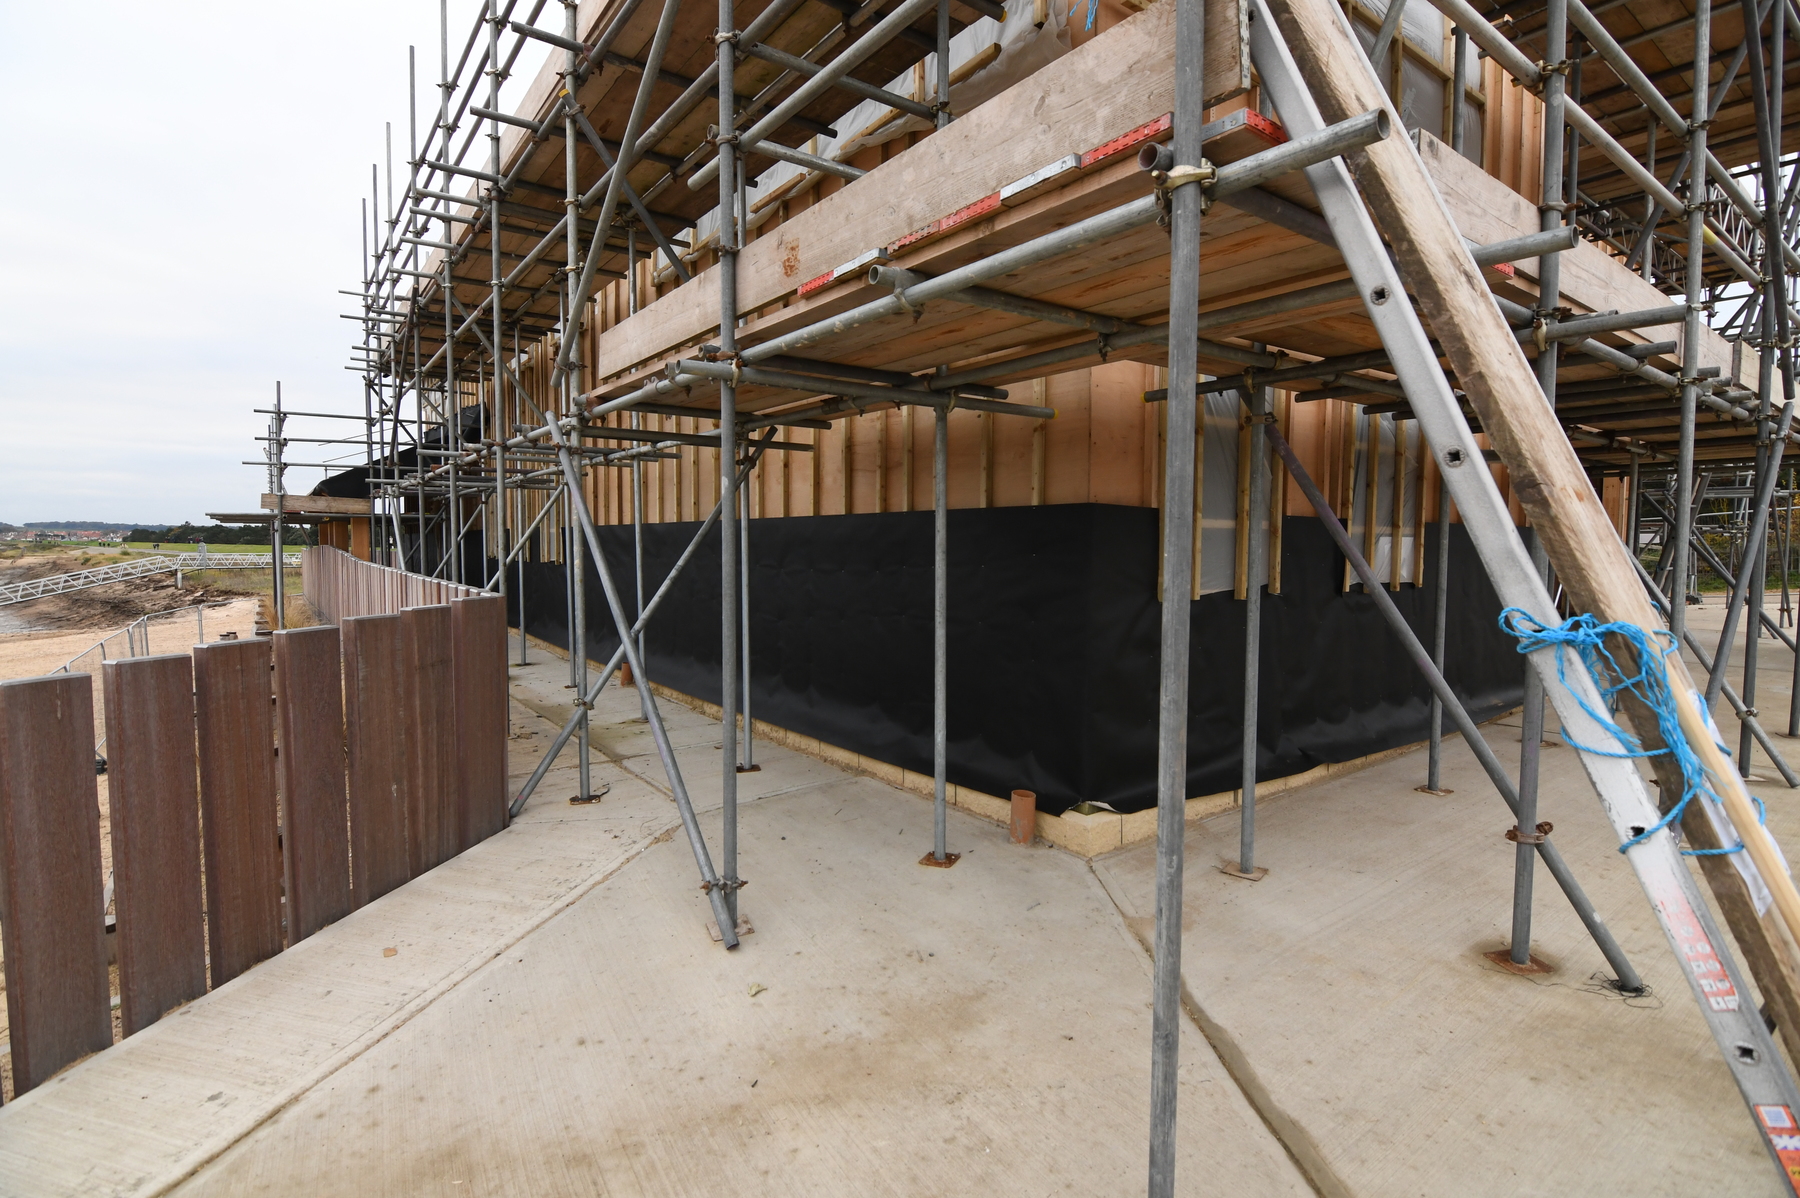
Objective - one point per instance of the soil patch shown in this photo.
(118, 603)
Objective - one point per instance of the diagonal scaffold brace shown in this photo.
(1296, 40)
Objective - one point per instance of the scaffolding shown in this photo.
(498, 382)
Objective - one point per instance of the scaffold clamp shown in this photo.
(1538, 837)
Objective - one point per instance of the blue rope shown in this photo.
(1587, 636)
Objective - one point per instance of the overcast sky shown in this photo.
(181, 210)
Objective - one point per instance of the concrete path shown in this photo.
(555, 1020)
(1350, 984)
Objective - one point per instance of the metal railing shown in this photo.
(59, 584)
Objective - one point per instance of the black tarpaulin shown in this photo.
(1053, 646)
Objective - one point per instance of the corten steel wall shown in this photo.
(339, 585)
(1053, 644)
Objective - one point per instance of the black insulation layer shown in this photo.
(1053, 646)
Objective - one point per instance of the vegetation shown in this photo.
(218, 534)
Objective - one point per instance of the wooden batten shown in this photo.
(317, 505)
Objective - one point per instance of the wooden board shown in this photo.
(318, 505)
(478, 669)
(1116, 82)
(1125, 277)
(309, 713)
(153, 797)
(1592, 279)
(239, 814)
(376, 734)
(608, 94)
(52, 913)
(431, 804)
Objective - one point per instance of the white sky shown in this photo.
(180, 210)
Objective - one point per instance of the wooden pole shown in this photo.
(1547, 477)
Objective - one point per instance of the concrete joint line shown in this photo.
(1288, 1131)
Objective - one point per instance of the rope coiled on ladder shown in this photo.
(1649, 684)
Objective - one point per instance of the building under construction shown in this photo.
(1104, 417)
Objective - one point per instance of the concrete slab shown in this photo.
(622, 741)
(1351, 985)
(148, 1111)
(888, 1029)
(1775, 684)
(554, 1019)
(915, 1030)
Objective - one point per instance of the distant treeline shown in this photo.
(69, 526)
(218, 534)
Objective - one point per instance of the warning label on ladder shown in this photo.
(1697, 953)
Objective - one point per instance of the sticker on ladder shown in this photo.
(1784, 1137)
(1697, 952)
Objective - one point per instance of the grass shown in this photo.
(1710, 583)
(261, 584)
(244, 582)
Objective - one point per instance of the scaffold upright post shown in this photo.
(570, 333)
(729, 235)
(278, 486)
(497, 432)
(1682, 556)
(1186, 203)
(1434, 757)
(1255, 564)
(940, 633)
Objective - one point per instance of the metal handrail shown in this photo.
(59, 584)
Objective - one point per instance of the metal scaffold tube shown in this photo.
(1434, 757)
(1186, 205)
(498, 542)
(1256, 564)
(645, 611)
(1627, 977)
(940, 633)
(729, 244)
(277, 486)
(665, 748)
(1531, 718)
(1696, 297)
